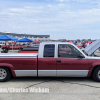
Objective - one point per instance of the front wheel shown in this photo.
(4, 74)
(96, 74)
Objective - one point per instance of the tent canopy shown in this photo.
(7, 38)
(37, 41)
(25, 40)
(70, 42)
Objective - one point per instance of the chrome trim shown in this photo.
(20, 73)
(99, 74)
(72, 73)
(46, 73)
(3, 73)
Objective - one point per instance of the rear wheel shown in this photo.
(4, 74)
(96, 74)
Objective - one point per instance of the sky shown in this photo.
(61, 19)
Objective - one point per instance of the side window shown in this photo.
(67, 51)
(49, 50)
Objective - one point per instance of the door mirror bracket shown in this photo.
(80, 56)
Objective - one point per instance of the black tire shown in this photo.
(7, 76)
(96, 75)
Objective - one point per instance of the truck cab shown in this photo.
(61, 59)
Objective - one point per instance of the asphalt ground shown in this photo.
(61, 88)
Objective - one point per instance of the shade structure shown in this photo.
(25, 40)
(64, 41)
(36, 41)
(89, 41)
(7, 41)
(70, 42)
(7, 38)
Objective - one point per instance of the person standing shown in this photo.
(79, 42)
(86, 44)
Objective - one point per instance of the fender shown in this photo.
(93, 65)
(9, 66)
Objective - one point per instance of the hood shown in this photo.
(91, 57)
(92, 47)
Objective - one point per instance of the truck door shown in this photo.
(47, 63)
(70, 63)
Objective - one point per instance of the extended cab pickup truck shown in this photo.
(55, 59)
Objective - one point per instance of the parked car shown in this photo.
(1, 44)
(50, 62)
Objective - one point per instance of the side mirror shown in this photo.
(80, 56)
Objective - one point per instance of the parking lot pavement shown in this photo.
(59, 89)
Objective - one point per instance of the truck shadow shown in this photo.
(51, 79)
(34, 81)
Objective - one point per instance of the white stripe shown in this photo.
(58, 73)
(20, 73)
(72, 73)
(63, 73)
(46, 73)
(19, 57)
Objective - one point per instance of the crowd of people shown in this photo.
(78, 42)
(82, 43)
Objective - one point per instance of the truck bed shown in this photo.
(18, 54)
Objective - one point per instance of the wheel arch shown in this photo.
(92, 70)
(10, 67)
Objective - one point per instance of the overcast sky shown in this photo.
(61, 19)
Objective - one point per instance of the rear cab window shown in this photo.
(49, 50)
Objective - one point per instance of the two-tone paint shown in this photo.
(37, 65)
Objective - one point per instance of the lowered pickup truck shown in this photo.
(55, 59)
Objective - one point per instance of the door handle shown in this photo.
(58, 61)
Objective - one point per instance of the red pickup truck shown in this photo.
(55, 59)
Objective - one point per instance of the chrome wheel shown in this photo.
(99, 74)
(3, 73)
